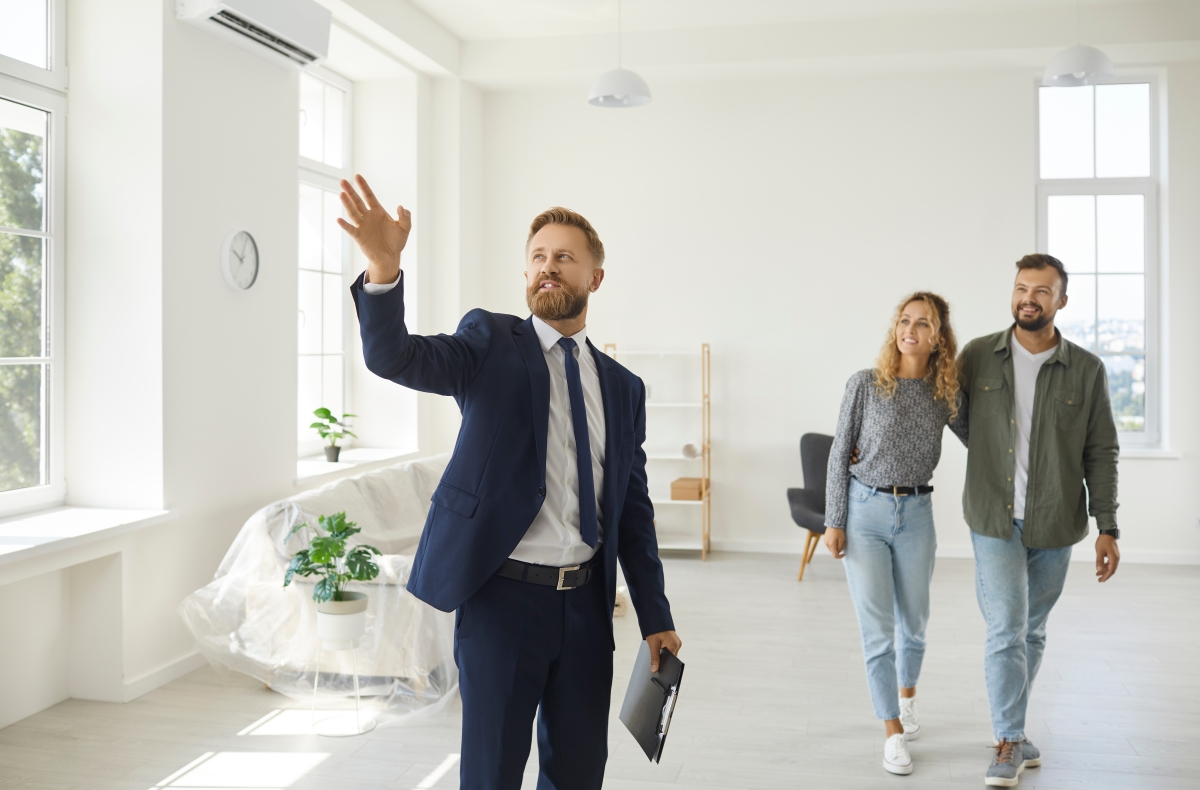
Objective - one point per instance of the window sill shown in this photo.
(56, 529)
(315, 468)
(1150, 454)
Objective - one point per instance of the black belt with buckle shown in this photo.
(905, 490)
(560, 578)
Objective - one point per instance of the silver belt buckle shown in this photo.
(562, 575)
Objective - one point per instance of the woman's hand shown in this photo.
(835, 541)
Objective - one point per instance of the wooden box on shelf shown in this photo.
(688, 488)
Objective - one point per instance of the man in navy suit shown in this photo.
(546, 490)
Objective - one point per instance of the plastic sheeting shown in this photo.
(247, 621)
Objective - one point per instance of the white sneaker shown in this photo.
(896, 758)
(908, 718)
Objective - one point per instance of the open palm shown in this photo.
(380, 237)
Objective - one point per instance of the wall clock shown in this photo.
(239, 260)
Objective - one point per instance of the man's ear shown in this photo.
(597, 278)
(1062, 302)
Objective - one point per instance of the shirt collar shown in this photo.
(548, 336)
(1062, 352)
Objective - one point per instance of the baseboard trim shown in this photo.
(172, 670)
(964, 552)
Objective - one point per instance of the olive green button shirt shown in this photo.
(1072, 442)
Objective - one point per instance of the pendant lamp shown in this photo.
(619, 87)
(1078, 65)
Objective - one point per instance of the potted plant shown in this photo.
(333, 429)
(341, 615)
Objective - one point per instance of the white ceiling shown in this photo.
(476, 20)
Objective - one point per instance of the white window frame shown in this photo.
(323, 176)
(55, 77)
(1150, 437)
(53, 491)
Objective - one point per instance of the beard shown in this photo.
(1038, 322)
(557, 304)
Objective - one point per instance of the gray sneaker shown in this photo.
(1006, 766)
(1030, 754)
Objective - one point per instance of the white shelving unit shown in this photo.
(663, 410)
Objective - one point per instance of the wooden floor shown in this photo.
(774, 697)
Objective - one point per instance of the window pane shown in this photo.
(334, 101)
(310, 227)
(1122, 312)
(1066, 139)
(1077, 321)
(21, 426)
(333, 234)
(312, 117)
(22, 166)
(21, 266)
(23, 33)
(1122, 130)
(1071, 231)
(310, 313)
(331, 390)
(333, 313)
(1127, 390)
(309, 395)
(1121, 233)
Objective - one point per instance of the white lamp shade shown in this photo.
(1078, 65)
(619, 88)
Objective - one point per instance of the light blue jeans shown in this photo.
(890, 543)
(1017, 587)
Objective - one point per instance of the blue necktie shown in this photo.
(583, 447)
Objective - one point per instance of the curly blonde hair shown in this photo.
(943, 362)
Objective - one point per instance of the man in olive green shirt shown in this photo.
(1041, 455)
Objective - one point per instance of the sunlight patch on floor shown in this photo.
(437, 773)
(244, 771)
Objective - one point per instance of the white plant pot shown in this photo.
(340, 624)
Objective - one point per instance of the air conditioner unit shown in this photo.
(297, 30)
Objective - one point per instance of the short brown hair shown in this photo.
(1040, 261)
(564, 216)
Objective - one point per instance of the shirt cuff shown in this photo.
(375, 289)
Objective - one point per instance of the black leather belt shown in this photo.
(905, 490)
(560, 578)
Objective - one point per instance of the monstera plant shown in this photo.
(328, 557)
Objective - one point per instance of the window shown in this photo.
(29, 41)
(324, 254)
(31, 246)
(1097, 213)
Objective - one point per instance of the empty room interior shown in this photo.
(877, 320)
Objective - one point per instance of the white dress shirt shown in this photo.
(1026, 366)
(554, 537)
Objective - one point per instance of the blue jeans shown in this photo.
(1017, 587)
(890, 543)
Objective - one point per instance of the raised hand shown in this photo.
(380, 237)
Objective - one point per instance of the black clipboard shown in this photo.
(650, 700)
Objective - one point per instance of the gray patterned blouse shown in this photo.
(899, 439)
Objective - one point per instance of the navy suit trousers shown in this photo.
(524, 649)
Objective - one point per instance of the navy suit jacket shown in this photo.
(494, 368)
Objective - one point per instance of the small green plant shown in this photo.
(331, 427)
(327, 557)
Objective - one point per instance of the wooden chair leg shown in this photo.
(810, 545)
(813, 551)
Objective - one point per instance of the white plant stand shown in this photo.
(340, 624)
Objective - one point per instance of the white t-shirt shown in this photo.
(1025, 372)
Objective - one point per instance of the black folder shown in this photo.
(650, 700)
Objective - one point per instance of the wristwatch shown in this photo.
(1113, 533)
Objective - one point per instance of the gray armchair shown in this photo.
(808, 503)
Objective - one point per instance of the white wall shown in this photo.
(781, 220)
